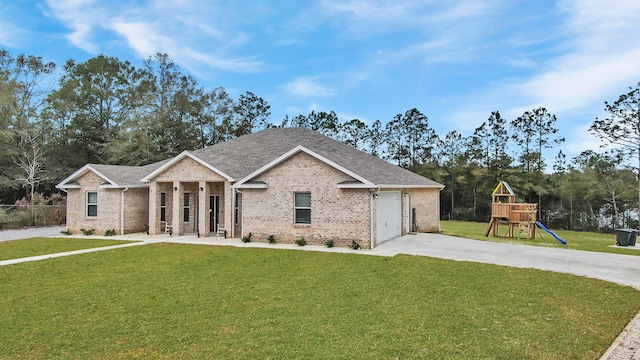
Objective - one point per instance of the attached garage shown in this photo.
(388, 215)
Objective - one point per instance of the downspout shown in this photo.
(122, 210)
(233, 212)
(374, 195)
(371, 219)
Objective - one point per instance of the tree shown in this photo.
(253, 114)
(215, 124)
(451, 153)
(489, 142)
(32, 163)
(410, 139)
(97, 99)
(622, 127)
(376, 139)
(354, 133)
(21, 103)
(173, 104)
(535, 131)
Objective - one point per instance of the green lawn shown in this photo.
(40, 246)
(577, 240)
(203, 302)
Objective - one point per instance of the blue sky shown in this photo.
(456, 61)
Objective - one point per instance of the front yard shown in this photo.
(15, 249)
(576, 240)
(186, 301)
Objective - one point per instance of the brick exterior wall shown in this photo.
(342, 215)
(109, 210)
(136, 210)
(188, 176)
(427, 204)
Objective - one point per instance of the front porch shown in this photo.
(190, 207)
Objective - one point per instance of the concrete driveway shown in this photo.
(620, 269)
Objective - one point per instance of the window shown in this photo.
(163, 207)
(302, 208)
(186, 208)
(237, 209)
(92, 204)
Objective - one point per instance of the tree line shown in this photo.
(108, 111)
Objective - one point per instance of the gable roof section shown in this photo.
(292, 152)
(244, 157)
(115, 176)
(176, 159)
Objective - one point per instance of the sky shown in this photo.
(455, 61)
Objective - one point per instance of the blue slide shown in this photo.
(550, 232)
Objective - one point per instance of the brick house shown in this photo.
(287, 182)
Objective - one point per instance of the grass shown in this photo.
(576, 240)
(15, 249)
(169, 301)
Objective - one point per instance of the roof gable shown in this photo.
(70, 182)
(275, 162)
(178, 158)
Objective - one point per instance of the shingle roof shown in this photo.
(126, 175)
(244, 155)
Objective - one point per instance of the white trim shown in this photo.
(391, 186)
(179, 157)
(143, 186)
(294, 151)
(252, 186)
(83, 170)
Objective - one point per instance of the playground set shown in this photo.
(520, 218)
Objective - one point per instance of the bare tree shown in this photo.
(31, 162)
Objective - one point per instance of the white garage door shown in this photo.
(389, 215)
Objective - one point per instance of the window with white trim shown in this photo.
(163, 206)
(92, 204)
(302, 208)
(186, 208)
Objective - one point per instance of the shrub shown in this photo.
(329, 243)
(271, 239)
(65, 232)
(110, 232)
(355, 245)
(246, 239)
(87, 231)
(301, 242)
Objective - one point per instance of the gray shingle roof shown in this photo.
(244, 155)
(126, 175)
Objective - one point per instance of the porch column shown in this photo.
(203, 209)
(153, 203)
(228, 208)
(177, 204)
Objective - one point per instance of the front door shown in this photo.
(214, 202)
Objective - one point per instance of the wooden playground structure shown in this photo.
(520, 218)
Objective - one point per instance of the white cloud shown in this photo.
(7, 33)
(81, 17)
(306, 87)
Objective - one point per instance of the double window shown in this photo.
(92, 204)
(302, 208)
